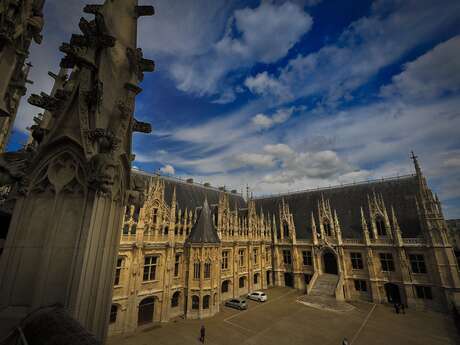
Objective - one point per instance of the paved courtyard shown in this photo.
(282, 320)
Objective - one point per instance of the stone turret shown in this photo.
(76, 180)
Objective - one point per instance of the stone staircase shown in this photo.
(325, 285)
(322, 295)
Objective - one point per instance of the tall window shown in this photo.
(166, 230)
(307, 259)
(207, 270)
(155, 215)
(241, 282)
(206, 302)
(327, 228)
(241, 256)
(136, 213)
(113, 313)
(287, 256)
(127, 212)
(423, 292)
(196, 270)
(150, 267)
(195, 302)
(133, 229)
(225, 260)
(225, 284)
(417, 262)
(255, 252)
(380, 224)
(118, 271)
(177, 265)
(256, 278)
(126, 229)
(286, 230)
(356, 261)
(386, 260)
(175, 299)
(360, 285)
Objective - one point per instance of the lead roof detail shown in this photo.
(204, 231)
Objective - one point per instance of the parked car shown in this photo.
(237, 303)
(258, 296)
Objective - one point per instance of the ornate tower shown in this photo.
(21, 21)
(72, 183)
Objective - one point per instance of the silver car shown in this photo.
(237, 303)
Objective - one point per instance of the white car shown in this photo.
(258, 296)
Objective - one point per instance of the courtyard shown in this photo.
(283, 320)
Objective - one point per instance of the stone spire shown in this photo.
(20, 23)
(76, 181)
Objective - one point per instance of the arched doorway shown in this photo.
(288, 279)
(392, 292)
(175, 299)
(330, 263)
(225, 286)
(146, 310)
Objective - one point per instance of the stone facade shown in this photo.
(384, 240)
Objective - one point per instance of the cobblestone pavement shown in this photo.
(283, 320)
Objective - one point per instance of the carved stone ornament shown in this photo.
(104, 174)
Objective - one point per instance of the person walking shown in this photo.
(396, 308)
(345, 341)
(202, 333)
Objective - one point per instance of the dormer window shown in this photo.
(327, 228)
(380, 225)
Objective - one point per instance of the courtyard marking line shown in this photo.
(363, 324)
(258, 306)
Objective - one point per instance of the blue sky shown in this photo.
(288, 95)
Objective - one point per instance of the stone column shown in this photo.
(75, 179)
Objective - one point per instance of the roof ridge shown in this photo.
(359, 183)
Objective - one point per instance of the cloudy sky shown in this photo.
(288, 95)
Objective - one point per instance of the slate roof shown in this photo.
(192, 195)
(204, 231)
(347, 201)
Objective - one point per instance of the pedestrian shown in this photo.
(202, 333)
(396, 308)
(345, 341)
(402, 308)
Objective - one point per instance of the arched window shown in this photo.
(155, 215)
(126, 229)
(196, 270)
(285, 230)
(137, 210)
(127, 212)
(175, 299)
(225, 285)
(113, 313)
(166, 230)
(241, 282)
(195, 302)
(380, 225)
(207, 270)
(327, 228)
(206, 302)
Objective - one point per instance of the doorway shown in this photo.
(330, 263)
(392, 292)
(146, 310)
(288, 279)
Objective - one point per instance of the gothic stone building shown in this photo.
(191, 247)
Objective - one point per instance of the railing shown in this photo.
(413, 241)
(312, 282)
(388, 241)
(352, 241)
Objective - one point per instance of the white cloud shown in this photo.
(168, 169)
(434, 74)
(366, 46)
(255, 159)
(265, 34)
(262, 121)
(278, 150)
